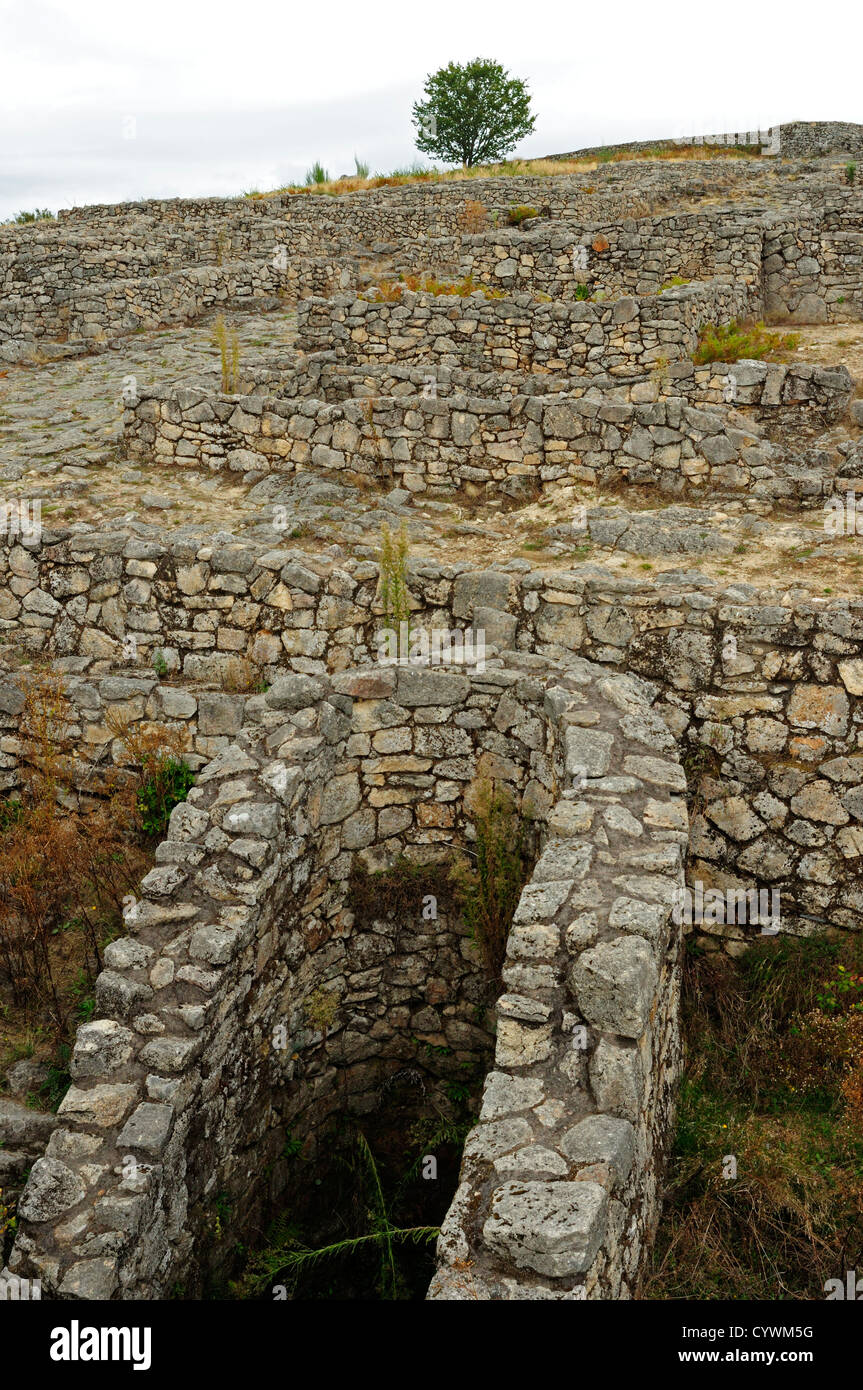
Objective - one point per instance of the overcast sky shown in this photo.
(106, 101)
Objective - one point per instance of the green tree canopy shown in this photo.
(473, 113)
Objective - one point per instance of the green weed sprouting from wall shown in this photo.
(228, 342)
(167, 782)
(490, 888)
(320, 1009)
(393, 591)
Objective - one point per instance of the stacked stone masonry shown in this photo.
(247, 1001)
(510, 438)
(217, 957)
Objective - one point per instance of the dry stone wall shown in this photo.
(105, 271)
(811, 139)
(440, 440)
(558, 1195)
(243, 922)
(634, 723)
(791, 140)
(630, 258)
(519, 334)
(115, 307)
(763, 689)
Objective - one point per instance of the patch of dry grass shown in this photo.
(774, 1082)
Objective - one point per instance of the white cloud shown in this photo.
(228, 96)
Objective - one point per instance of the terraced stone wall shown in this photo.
(441, 440)
(630, 258)
(476, 332)
(764, 691)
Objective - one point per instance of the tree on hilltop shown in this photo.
(472, 113)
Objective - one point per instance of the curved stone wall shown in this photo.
(183, 1088)
(559, 1191)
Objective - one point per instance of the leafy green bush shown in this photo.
(850, 172)
(582, 292)
(167, 782)
(317, 174)
(37, 215)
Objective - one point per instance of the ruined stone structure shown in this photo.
(647, 727)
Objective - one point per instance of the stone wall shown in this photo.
(444, 440)
(560, 1183)
(181, 1091)
(808, 139)
(115, 307)
(395, 215)
(764, 390)
(765, 690)
(105, 270)
(207, 718)
(631, 258)
(796, 140)
(476, 332)
(813, 266)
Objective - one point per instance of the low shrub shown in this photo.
(519, 214)
(473, 218)
(166, 782)
(731, 342)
